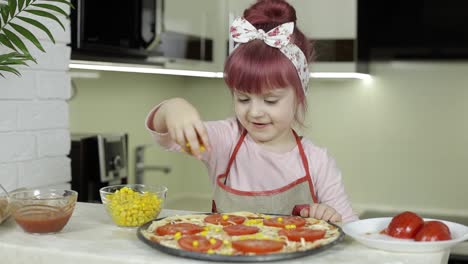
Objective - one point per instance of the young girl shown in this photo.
(256, 161)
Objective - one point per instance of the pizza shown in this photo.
(240, 233)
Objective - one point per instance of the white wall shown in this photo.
(401, 140)
(34, 133)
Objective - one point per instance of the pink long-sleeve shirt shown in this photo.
(271, 170)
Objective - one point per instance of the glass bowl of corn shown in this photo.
(4, 205)
(132, 205)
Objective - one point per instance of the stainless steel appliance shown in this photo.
(98, 160)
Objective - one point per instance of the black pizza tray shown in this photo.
(234, 258)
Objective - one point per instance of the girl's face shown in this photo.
(268, 117)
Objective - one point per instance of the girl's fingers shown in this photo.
(329, 212)
(305, 212)
(312, 210)
(180, 138)
(192, 140)
(335, 218)
(202, 134)
(172, 133)
(324, 212)
(320, 211)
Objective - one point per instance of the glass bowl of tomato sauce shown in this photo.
(42, 211)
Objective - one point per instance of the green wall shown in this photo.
(401, 140)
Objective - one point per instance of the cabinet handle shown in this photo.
(158, 25)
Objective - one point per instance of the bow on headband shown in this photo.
(279, 37)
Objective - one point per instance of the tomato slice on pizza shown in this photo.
(240, 230)
(307, 234)
(259, 246)
(224, 219)
(199, 243)
(182, 228)
(283, 221)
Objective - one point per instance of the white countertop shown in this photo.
(90, 237)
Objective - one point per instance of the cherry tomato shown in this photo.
(239, 230)
(259, 246)
(282, 221)
(183, 228)
(297, 233)
(199, 243)
(219, 219)
(433, 231)
(405, 225)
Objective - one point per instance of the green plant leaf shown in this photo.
(28, 2)
(45, 14)
(16, 40)
(13, 58)
(27, 34)
(20, 5)
(7, 56)
(38, 25)
(9, 69)
(5, 41)
(51, 7)
(63, 1)
(5, 12)
(12, 4)
(16, 62)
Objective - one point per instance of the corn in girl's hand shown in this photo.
(182, 121)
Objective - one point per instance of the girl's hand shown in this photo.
(184, 125)
(321, 211)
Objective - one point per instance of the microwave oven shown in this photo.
(119, 27)
(130, 31)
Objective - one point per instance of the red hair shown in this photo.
(255, 67)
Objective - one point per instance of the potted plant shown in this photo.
(12, 32)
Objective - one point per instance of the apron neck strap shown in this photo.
(234, 153)
(306, 166)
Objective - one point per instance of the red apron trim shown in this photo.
(234, 153)
(306, 167)
(259, 193)
(213, 207)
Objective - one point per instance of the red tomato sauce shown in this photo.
(43, 221)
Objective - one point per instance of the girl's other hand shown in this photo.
(185, 126)
(321, 211)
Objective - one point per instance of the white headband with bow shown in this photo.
(279, 37)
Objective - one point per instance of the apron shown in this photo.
(278, 201)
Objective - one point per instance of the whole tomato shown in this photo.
(405, 225)
(433, 231)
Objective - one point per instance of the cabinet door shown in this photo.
(200, 18)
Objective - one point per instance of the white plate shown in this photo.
(367, 232)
